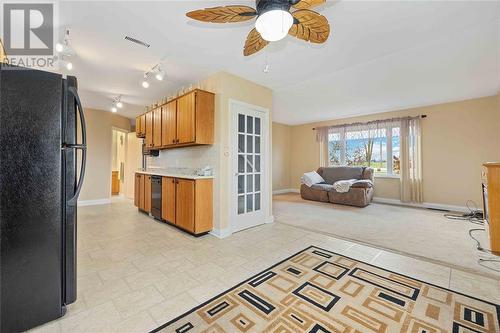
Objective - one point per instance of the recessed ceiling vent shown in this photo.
(136, 41)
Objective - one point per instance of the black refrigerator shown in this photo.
(41, 174)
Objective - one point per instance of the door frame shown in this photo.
(265, 167)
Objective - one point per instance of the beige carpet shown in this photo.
(420, 233)
(320, 291)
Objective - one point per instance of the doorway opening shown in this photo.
(118, 152)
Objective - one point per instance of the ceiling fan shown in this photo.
(274, 21)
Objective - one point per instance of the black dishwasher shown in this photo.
(156, 197)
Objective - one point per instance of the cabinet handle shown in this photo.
(173, 141)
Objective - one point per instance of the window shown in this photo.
(373, 145)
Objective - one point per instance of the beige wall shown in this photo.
(282, 135)
(226, 87)
(456, 138)
(97, 183)
(133, 161)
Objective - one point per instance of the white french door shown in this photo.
(249, 202)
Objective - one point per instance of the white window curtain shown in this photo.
(411, 161)
(322, 139)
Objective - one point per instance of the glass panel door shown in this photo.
(249, 198)
(249, 158)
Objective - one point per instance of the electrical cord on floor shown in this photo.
(481, 261)
(474, 215)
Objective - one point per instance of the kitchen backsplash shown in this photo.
(190, 158)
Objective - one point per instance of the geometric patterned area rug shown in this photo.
(319, 291)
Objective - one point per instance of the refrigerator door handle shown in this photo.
(82, 147)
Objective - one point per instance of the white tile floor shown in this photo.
(135, 274)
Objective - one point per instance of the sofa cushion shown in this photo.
(311, 178)
(323, 187)
(359, 197)
(363, 183)
(333, 174)
(310, 193)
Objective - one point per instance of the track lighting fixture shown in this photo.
(117, 103)
(65, 51)
(158, 72)
(65, 60)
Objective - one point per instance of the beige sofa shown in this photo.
(360, 194)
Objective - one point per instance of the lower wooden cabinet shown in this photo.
(137, 190)
(185, 203)
(142, 192)
(147, 193)
(168, 199)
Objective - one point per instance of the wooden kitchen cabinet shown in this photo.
(137, 190)
(186, 120)
(147, 193)
(140, 126)
(139, 194)
(169, 124)
(157, 127)
(184, 204)
(195, 118)
(187, 204)
(149, 129)
(168, 199)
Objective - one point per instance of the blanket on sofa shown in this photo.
(343, 186)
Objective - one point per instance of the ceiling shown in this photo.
(381, 56)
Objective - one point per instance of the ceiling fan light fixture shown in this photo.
(274, 25)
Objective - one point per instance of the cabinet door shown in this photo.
(186, 118)
(184, 204)
(149, 129)
(169, 124)
(137, 191)
(147, 193)
(157, 127)
(138, 126)
(143, 125)
(168, 199)
(141, 193)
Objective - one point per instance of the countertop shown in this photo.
(173, 174)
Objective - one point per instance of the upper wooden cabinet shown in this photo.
(186, 118)
(157, 127)
(169, 124)
(149, 129)
(185, 121)
(140, 126)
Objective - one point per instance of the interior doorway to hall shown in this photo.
(118, 160)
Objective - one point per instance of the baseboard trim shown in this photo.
(286, 190)
(95, 202)
(269, 219)
(221, 233)
(430, 205)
